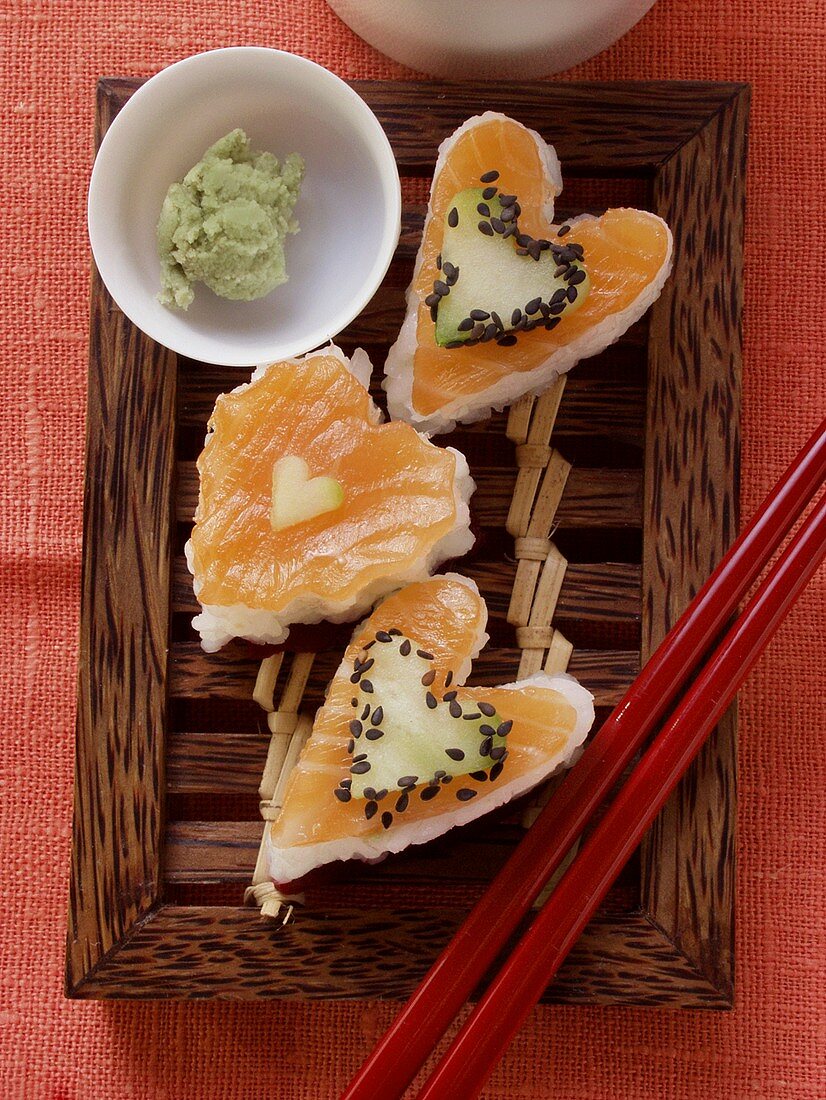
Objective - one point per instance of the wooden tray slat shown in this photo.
(592, 497)
(607, 591)
(194, 674)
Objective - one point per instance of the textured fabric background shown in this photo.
(772, 1045)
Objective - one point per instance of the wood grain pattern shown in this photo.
(691, 514)
(124, 624)
(663, 935)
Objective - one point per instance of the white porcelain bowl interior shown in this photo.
(349, 209)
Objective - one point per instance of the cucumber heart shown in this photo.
(495, 282)
(297, 497)
(406, 736)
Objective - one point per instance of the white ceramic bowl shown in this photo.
(503, 39)
(349, 209)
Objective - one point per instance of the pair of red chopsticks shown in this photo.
(488, 1031)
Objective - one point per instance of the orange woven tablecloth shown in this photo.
(772, 1045)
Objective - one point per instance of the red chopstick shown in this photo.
(489, 1029)
(453, 977)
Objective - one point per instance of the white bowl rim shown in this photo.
(389, 178)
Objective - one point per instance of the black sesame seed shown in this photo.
(439, 261)
(478, 330)
(489, 177)
(441, 288)
(371, 809)
(557, 308)
(496, 770)
(486, 730)
(354, 702)
(359, 756)
(571, 293)
(449, 677)
(438, 775)
(497, 225)
(507, 200)
(486, 228)
(449, 696)
(429, 677)
(510, 230)
(351, 745)
(487, 710)
(434, 313)
(394, 630)
(346, 783)
(379, 795)
(489, 192)
(516, 316)
(534, 250)
(369, 792)
(356, 728)
(405, 648)
(563, 229)
(543, 245)
(455, 710)
(387, 819)
(464, 794)
(383, 636)
(374, 734)
(425, 656)
(365, 714)
(430, 699)
(402, 802)
(521, 251)
(471, 715)
(505, 728)
(465, 325)
(354, 679)
(432, 300)
(455, 344)
(490, 331)
(524, 239)
(367, 687)
(367, 665)
(507, 214)
(558, 296)
(378, 716)
(428, 793)
(483, 209)
(447, 779)
(577, 250)
(450, 270)
(506, 341)
(560, 270)
(407, 781)
(533, 305)
(497, 320)
(453, 218)
(342, 795)
(360, 768)
(480, 777)
(498, 752)
(455, 754)
(485, 747)
(545, 309)
(479, 315)
(577, 277)
(554, 321)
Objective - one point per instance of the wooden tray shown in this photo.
(170, 747)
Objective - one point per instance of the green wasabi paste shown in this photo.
(226, 222)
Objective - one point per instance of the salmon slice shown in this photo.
(444, 618)
(404, 506)
(627, 257)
